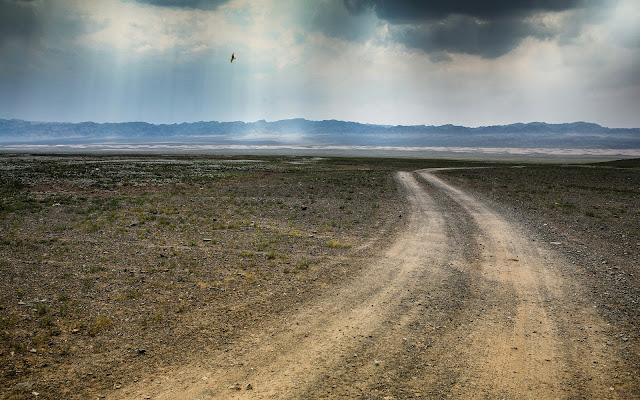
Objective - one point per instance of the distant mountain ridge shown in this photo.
(302, 132)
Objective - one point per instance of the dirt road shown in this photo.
(463, 304)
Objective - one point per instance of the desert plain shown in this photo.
(194, 277)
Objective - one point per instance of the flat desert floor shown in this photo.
(199, 277)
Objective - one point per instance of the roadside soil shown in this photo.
(117, 267)
(424, 284)
(463, 304)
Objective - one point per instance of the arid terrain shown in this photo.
(194, 277)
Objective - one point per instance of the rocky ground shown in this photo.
(591, 213)
(116, 268)
(466, 302)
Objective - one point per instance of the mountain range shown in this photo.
(302, 132)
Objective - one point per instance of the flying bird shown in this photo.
(233, 56)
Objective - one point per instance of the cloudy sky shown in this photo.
(405, 62)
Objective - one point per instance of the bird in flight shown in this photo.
(233, 56)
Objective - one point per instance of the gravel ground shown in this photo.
(591, 213)
(115, 267)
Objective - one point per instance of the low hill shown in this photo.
(302, 132)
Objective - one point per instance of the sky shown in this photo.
(396, 62)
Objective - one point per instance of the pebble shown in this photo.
(24, 385)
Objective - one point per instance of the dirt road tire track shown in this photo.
(462, 304)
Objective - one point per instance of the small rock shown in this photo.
(24, 385)
(376, 362)
(249, 387)
(141, 351)
(235, 387)
(303, 208)
(33, 351)
(35, 393)
(206, 240)
(556, 243)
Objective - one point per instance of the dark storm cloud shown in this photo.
(407, 11)
(463, 34)
(18, 18)
(485, 28)
(34, 21)
(193, 4)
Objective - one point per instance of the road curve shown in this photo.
(463, 304)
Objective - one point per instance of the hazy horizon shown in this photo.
(329, 119)
(368, 61)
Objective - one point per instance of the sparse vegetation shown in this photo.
(98, 325)
(177, 254)
(336, 243)
(129, 251)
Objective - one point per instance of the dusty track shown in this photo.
(463, 304)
